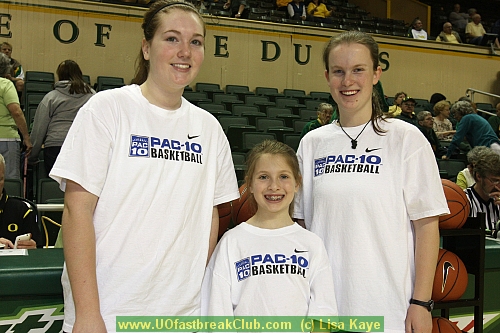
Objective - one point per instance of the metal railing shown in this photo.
(470, 93)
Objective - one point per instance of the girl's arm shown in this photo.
(214, 232)
(418, 318)
(80, 255)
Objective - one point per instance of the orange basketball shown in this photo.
(443, 325)
(225, 214)
(242, 209)
(450, 280)
(458, 205)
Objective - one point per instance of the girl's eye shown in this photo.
(284, 177)
(197, 42)
(358, 70)
(337, 72)
(171, 39)
(262, 177)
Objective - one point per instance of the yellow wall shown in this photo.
(234, 50)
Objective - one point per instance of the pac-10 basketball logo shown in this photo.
(319, 166)
(139, 146)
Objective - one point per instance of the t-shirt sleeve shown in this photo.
(323, 301)
(216, 288)
(298, 205)
(85, 154)
(422, 188)
(226, 187)
(10, 94)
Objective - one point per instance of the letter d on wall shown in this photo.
(265, 45)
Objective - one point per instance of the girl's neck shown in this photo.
(348, 119)
(270, 220)
(169, 100)
(440, 117)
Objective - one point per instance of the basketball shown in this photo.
(458, 205)
(225, 214)
(242, 209)
(450, 280)
(443, 325)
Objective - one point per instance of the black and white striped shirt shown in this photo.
(478, 205)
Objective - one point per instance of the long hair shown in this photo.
(150, 24)
(5, 66)
(358, 37)
(70, 71)
(275, 148)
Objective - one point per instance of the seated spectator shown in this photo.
(417, 30)
(484, 195)
(407, 107)
(17, 73)
(238, 8)
(57, 110)
(473, 127)
(16, 218)
(318, 12)
(474, 31)
(448, 35)
(495, 121)
(325, 112)
(467, 99)
(425, 122)
(395, 109)
(297, 10)
(441, 124)
(11, 121)
(464, 177)
(457, 19)
(436, 97)
(281, 5)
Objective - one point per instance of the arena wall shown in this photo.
(105, 40)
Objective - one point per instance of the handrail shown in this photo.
(473, 91)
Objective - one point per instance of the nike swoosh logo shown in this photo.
(370, 150)
(298, 251)
(192, 137)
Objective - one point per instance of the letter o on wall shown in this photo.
(57, 31)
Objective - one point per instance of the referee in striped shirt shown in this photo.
(484, 195)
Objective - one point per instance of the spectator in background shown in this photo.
(11, 120)
(407, 108)
(297, 10)
(395, 109)
(417, 30)
(467, 99)
(484, 195)
(495, 121)
(465, 177)
(473, 127)
(441, 124)
(17, 73)
(325, 112)
(281, 5)
(318, 12)
(448, 35)
(436, 97)
(425, 122)
(474, 31)
(457, 19)
(238, 8)
(56, 112)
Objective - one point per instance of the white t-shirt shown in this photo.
(360, 202)
(158, 174)
(263, 272)
(419, 34)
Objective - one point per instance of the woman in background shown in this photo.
(57, 110)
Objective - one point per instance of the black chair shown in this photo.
(32, 76)
(86, 78)
(296, 93)
(271, 93)
(263, 124)
(452, 168)
(238, 110)
(253, 116)
(273, 112)
(234, 136)
(280, 132)
(298, 125)
(292, 140)
(108, 82)
(38, 87)
(212, 107)
(250, 139)
(240, 91)
(196, 97)
(308, 114)
(209, 88)
(226, 121)
(14, 187)
(323, 96)
(239, 165)
(312, 104)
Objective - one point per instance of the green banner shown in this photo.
(248, 324)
